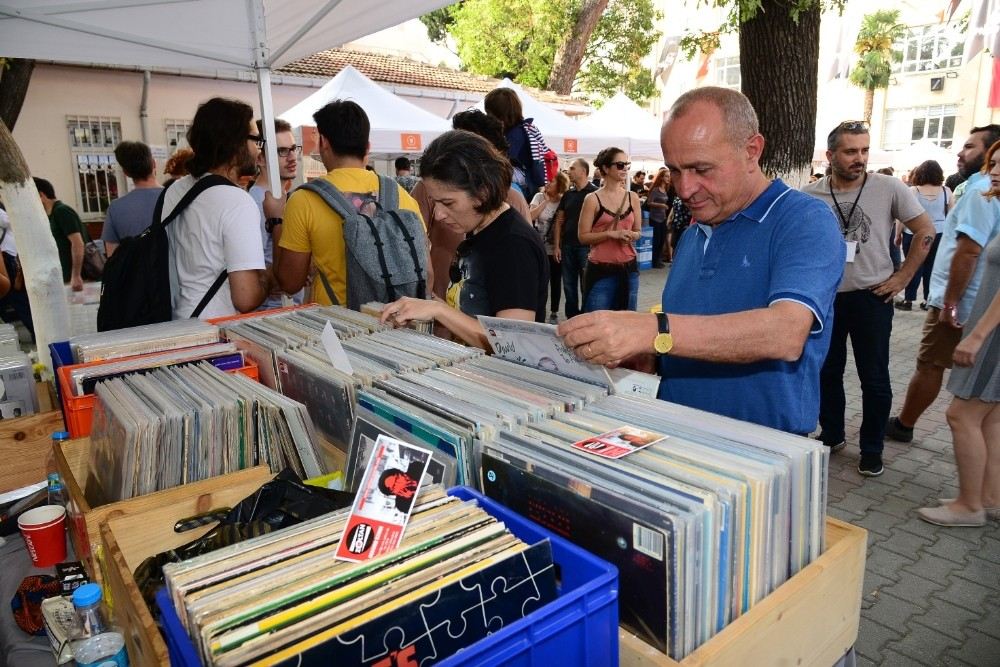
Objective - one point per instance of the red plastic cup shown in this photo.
(44, 533)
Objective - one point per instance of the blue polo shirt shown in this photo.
(785, 246)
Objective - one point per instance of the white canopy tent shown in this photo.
(564, 135)
(231, 35)
(397, 126)
(642, 129)
(244, 36)
(922, 150)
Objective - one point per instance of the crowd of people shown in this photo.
(767, 282)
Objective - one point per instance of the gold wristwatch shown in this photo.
(663, 342)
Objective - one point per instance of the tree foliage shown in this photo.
(520, 38)
(874, 46)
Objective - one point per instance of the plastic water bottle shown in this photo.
(96, 643)
(57, 492)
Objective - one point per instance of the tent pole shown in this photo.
(267, 118)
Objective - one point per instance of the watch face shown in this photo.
(663, 343)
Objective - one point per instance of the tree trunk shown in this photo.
(869, 104)
(569, 56)
(782, 84)
(13, 89)
(35, 247)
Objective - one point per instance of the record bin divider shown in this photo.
(84, 517)
(811, 619)
(79, 410)
(580, 627)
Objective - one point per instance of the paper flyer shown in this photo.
(538, 345)
(620, 442)
(384, 501)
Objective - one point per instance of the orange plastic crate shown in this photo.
(218, 321)
(79, 410)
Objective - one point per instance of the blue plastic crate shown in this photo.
(580, 627)
(62, 355)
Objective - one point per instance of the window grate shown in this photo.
(92, 141)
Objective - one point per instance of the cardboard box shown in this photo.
(811, 619)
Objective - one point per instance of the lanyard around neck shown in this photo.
(836, 204)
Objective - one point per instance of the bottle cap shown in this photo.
(60, 435)
(87, 595)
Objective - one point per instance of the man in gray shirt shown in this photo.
(866, 206)
(130, 215)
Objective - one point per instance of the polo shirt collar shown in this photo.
(759, 207)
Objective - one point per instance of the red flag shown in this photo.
(994, 102)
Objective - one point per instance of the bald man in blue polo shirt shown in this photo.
(748, 303)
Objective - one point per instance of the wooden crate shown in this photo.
(86, 514)
(129, 539)
(811, 619)
(26, 449)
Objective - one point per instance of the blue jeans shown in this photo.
(604, 294)
(867, 319)
(574, 259)
(925, 270)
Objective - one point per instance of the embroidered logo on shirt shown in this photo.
(746, 262)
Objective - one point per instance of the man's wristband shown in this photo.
(271, 223)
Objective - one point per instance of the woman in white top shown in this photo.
(543, 214)
(927, 183)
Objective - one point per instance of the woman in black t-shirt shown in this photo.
(501, 268)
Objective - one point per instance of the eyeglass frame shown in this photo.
(257, 139)
(620, 165)
(294, 148)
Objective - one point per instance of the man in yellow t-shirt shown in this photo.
(312, 233)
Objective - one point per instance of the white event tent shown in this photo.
(620, 115)
(397, 126)
(251, 37)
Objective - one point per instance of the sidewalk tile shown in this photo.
(947, 619)
(967, 594)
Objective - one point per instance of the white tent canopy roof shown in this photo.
(230, 35)
(393, 120)
(197, 34)
(641, 127)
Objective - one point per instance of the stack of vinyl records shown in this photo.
(703, 520)
(10, 342)
(307, 374)
(224, 356)
(449, 408)
(282, 599)
(142, 340)
(17, 386)
(263, 337)
(182, 424)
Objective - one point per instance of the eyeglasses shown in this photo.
(286, 151)
(622, 166)
(257, 139)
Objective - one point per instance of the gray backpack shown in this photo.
(386, 253)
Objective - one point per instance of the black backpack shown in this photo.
(136, 287)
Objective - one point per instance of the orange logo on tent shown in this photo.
(569, 146)
(409, 142)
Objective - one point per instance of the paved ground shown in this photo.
(931, 594)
